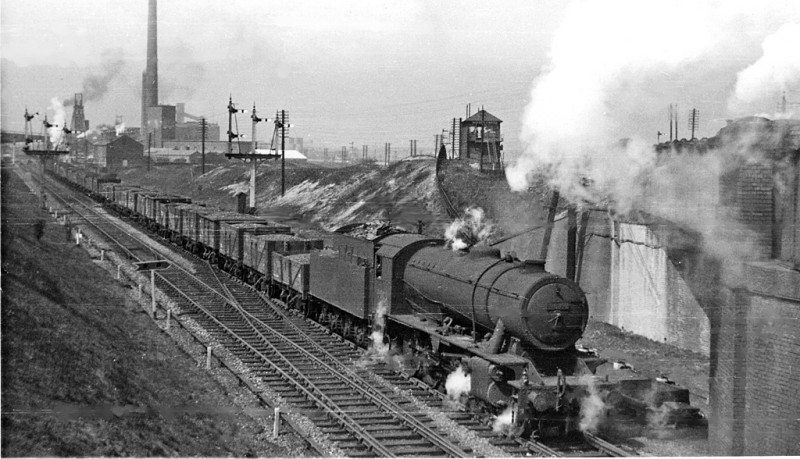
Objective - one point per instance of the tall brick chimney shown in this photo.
(150, 76)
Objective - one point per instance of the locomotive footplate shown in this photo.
(460, 341)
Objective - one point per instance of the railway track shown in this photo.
(366, 411)
(306, 375)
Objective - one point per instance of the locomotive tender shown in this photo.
(511, 324)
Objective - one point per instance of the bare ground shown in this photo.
(86, 373)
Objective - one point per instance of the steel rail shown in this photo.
(364, 388)
(605, 446)
(97, 227)
(306, 386)
(348, 376)
(300, 381)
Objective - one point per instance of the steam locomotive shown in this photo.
(510, 324)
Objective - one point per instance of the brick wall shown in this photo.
(746, 210)
(773, 406)
(728, 377)
(755, 367)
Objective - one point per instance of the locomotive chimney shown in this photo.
(150, 76)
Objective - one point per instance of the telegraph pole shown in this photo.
(148, 151)
(203, 145)
(694, 121)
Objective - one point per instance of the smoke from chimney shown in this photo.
(95, 86)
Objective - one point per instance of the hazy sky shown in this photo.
(371, 71)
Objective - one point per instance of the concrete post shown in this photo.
(153, 291)
(102, 254)
(119, 272)
(169, 318)
(140, 291)
(208, 357)
(276, 427)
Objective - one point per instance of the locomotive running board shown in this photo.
(460, 341)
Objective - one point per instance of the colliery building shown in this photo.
(121, 152)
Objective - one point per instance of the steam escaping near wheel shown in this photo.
(458, 384)
(379, 350)
(472, 229)
(593, 408)
(504, 422)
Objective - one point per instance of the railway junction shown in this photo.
(585, 296)
(190, 295)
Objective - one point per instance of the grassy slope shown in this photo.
(115, 383)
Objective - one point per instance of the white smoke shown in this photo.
(571, 123)
(58, 121)
(120, 129)
(777, 70)
(606, 51)
(378, 350)
(458, 383)
(593, 409)
(504, 422)
(85, 134)
(470, 230)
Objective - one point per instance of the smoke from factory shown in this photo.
(95, 86)
(470, 230)
(608, 52)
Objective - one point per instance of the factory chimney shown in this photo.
(150, 76)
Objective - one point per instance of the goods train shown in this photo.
(508, 323)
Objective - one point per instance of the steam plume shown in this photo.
(593, 408)
(378, 350)
(504, 422)
(603, 51)
(59, 119)
(470, 230)
(778, 69)
(458, 383)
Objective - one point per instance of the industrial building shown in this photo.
(160, 122)
(121, 152)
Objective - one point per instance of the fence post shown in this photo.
(153, 291)
(276, 427)
(208, 357)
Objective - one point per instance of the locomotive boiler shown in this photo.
(480, 289)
